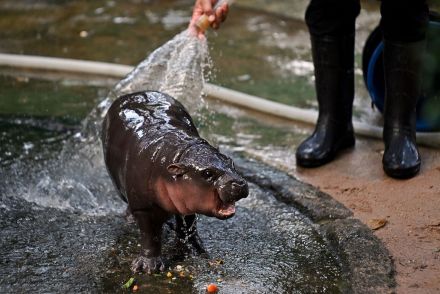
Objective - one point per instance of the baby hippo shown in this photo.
(162, 168)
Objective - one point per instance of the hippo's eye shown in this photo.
(207, 174)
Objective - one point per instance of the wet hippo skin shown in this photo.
(162, 168)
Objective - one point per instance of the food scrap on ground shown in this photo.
(129, 283)
(135, 288)
(216, 262)
(212, 288)
(180, 272)
(376, 224)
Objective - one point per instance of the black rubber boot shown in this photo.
(333, 59)
(402, 65)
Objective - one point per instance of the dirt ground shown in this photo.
(411, 208)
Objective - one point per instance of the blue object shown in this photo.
(375, 79)
(428, 106)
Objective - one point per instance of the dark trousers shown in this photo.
(402, 20)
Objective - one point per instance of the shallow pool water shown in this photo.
(262, 49)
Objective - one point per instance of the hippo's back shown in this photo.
(149, 110)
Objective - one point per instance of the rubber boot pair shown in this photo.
(334, 81)
(333, 59)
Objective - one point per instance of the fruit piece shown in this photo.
(212, 288)
(135, 288)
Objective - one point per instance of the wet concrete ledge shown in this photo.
(366, 263)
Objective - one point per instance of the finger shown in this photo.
(219, 16)
(214, 2)
(206, 6)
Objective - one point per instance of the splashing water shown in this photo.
(177, 68)
(78, 179)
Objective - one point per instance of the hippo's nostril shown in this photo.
(238, 184)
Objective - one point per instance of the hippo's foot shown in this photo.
(147, 265)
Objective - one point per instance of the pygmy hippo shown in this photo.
(162, 167)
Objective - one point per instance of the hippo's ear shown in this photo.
(177, 169)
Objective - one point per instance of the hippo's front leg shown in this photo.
(150, 259)
(187, 235)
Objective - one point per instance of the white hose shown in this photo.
(221, 93)
(63, 64)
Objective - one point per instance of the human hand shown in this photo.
(204, 8)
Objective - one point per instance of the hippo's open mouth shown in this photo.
(224, 210)
(227, 209)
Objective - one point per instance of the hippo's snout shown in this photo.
(239, 189)
(233, 189)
